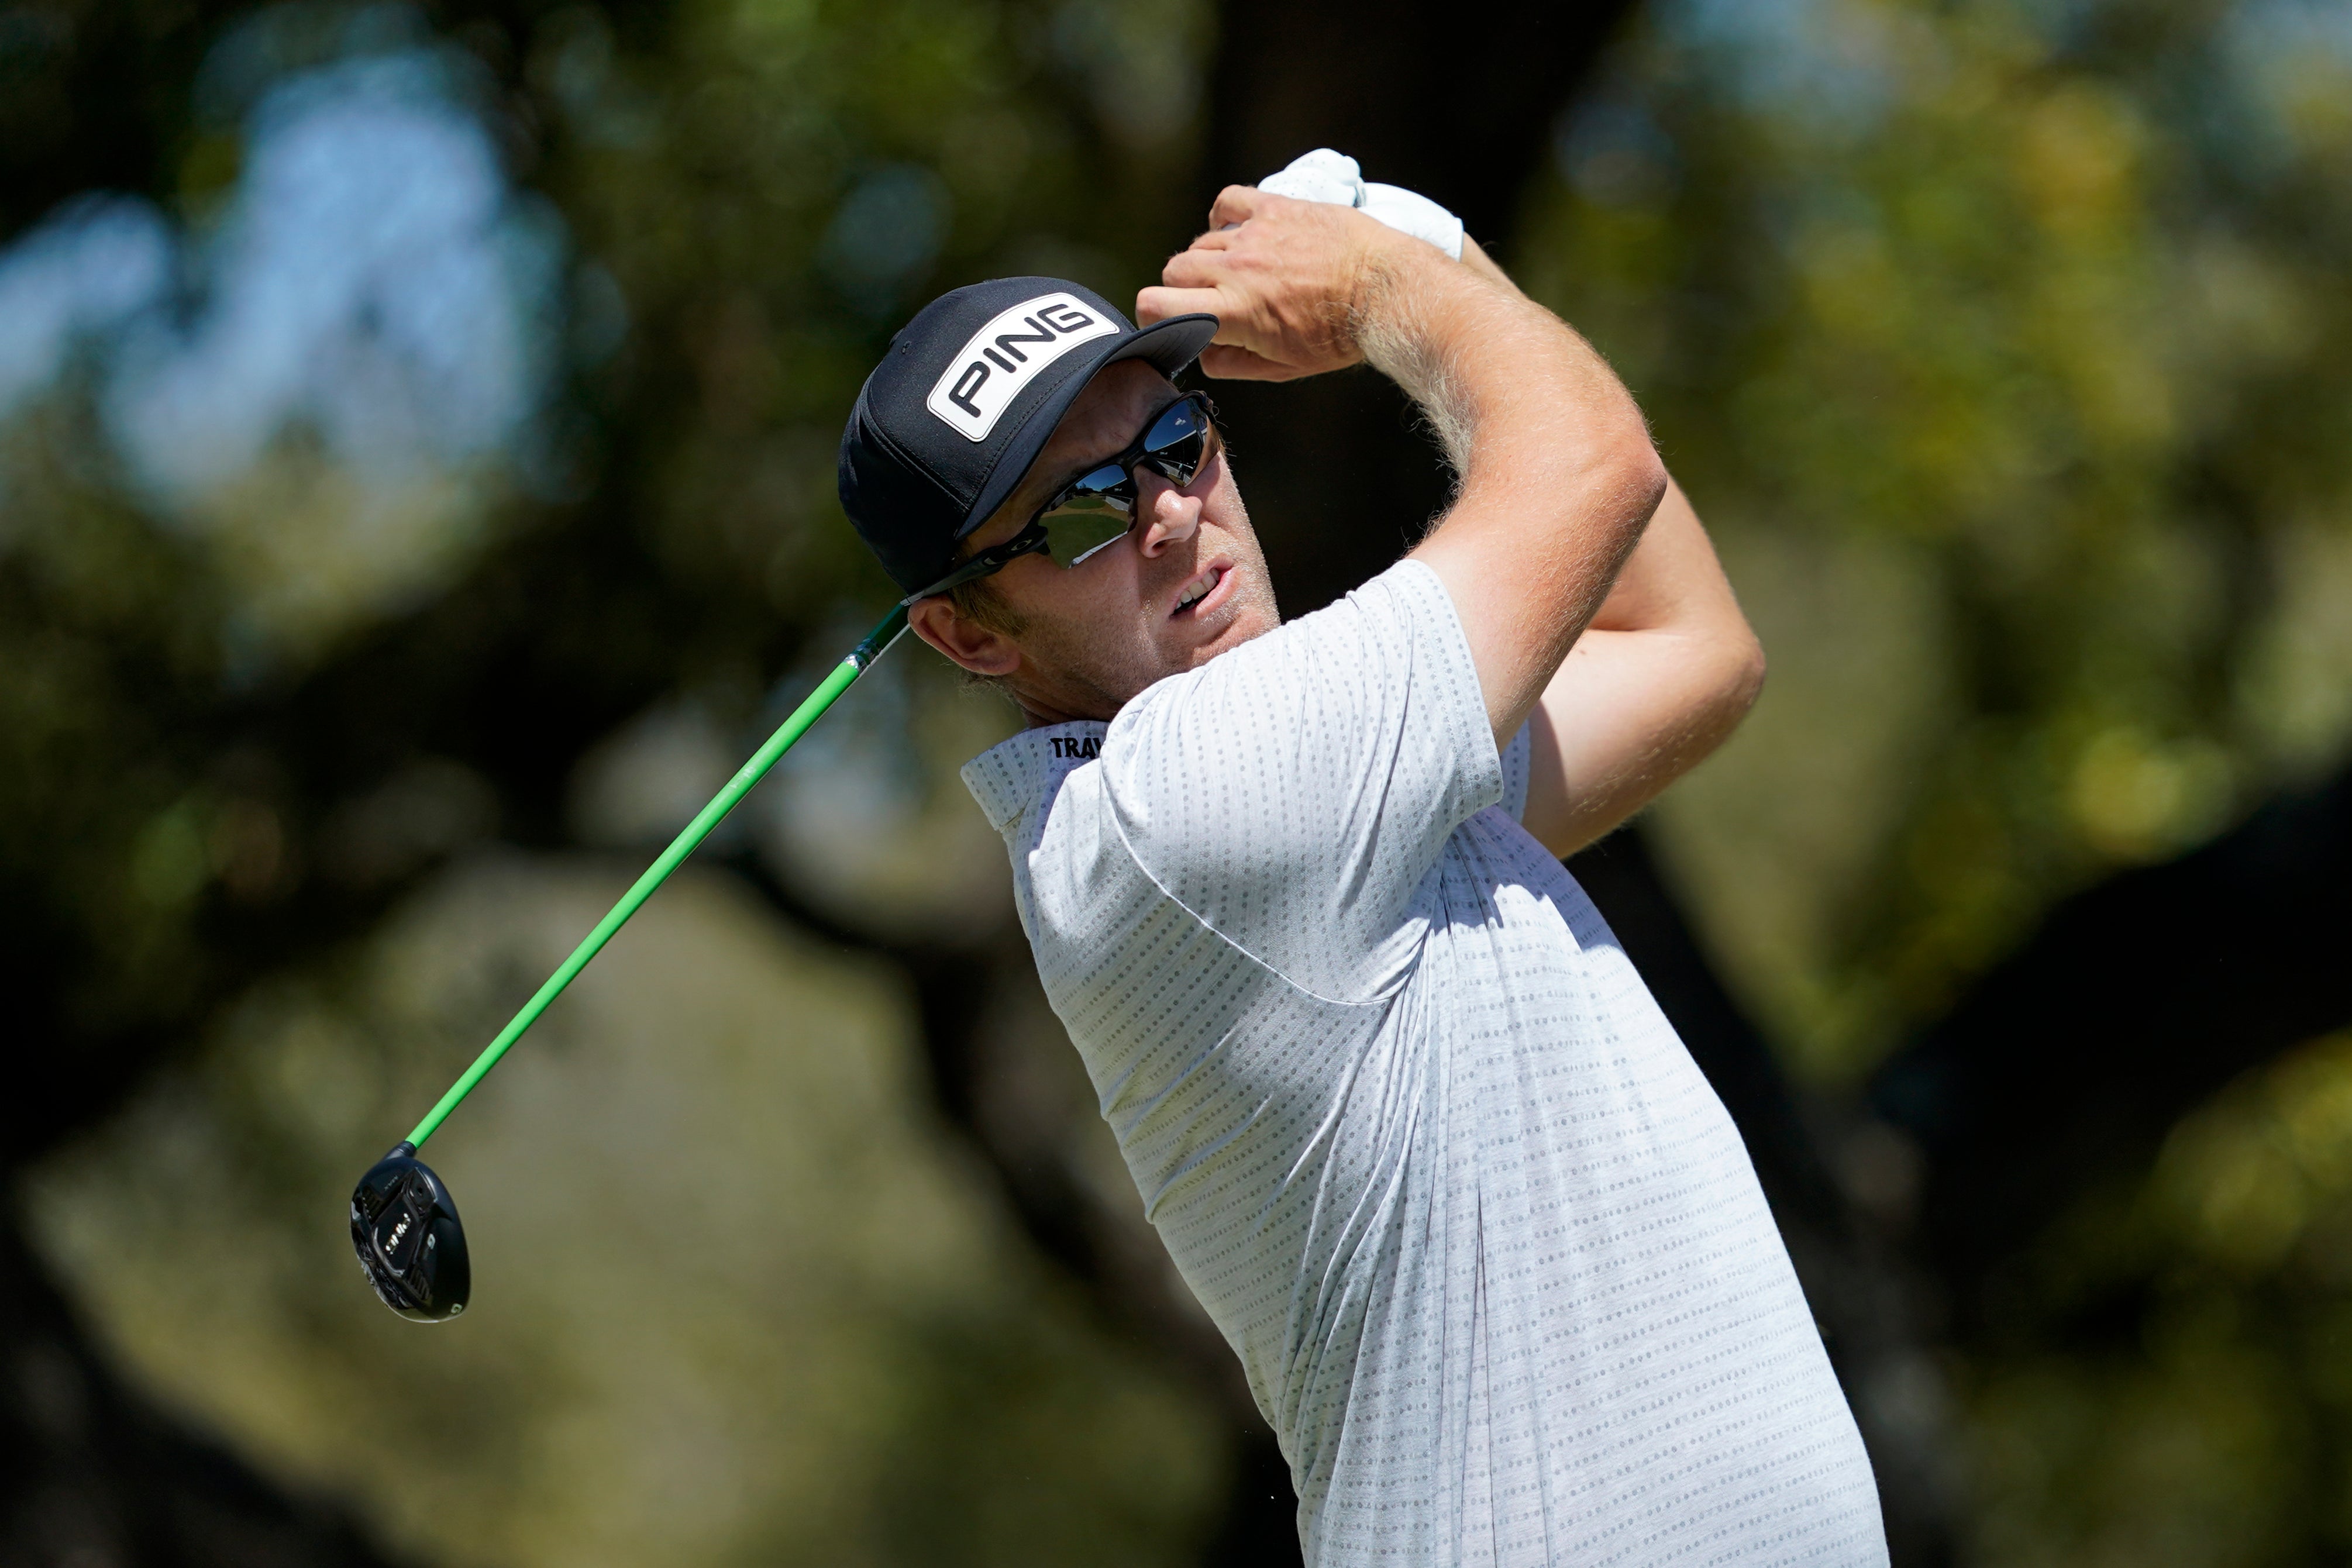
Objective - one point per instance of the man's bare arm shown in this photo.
(1558, 475)
(1661, 678)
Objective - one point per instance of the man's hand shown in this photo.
(1558, 475)
(1287, 280)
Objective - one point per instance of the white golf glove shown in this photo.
(1324, 175)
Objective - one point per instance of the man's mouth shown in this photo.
(1197, 591)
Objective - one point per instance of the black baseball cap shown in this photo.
(965, 399)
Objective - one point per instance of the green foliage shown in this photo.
(747, 199)
(242, 726)
(777, 183)
(2221, 1432)
(2002, 344)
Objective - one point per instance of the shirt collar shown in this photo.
(1009, 779)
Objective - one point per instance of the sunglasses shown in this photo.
(1095, 510)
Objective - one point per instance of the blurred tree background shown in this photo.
(416, 493)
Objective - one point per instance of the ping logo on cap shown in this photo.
(1005, 356)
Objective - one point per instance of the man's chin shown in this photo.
(1090, 688)
(1244, 622)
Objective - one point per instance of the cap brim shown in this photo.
(1170, 345)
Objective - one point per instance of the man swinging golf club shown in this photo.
(1488, 1246)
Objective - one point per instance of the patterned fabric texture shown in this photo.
(1416, 1134)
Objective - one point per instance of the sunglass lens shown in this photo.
(1083, 525)
(1178, 440)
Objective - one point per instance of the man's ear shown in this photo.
(965, 640)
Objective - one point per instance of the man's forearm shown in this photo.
(1661, 674)
(1492, 370)
(1557, 475)
(1661, 677)
(1422, 327)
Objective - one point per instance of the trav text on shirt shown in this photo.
(1079, 746)
(1005, 356)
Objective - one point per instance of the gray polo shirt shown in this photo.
(1409, 1122)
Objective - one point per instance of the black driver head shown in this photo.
(411, 1246)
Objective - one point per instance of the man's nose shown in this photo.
(1170, 515)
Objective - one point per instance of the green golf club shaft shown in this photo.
(844, 676)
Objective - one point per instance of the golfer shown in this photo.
(1488, 1246)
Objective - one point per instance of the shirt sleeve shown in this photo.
(1295, 793)
(1518, 765)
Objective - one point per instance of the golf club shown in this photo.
(405, 1226)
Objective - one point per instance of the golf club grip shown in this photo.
(843, 676)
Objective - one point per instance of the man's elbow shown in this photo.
(1739, 678)
(1642, 481)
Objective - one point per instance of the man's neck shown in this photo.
(1070, 702)
(1041, 718)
